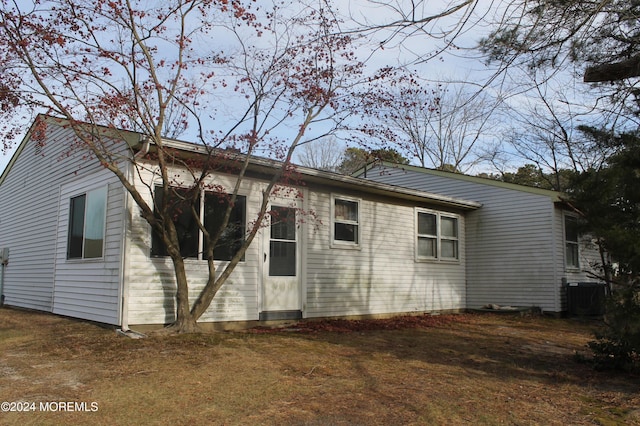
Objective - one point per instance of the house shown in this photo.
(78, 246)
(521, 246)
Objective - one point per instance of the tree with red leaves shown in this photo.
(161, 69)
(230, 74)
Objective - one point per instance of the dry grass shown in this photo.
(465, 369)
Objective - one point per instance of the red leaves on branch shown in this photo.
(8, 98)
(39, 131)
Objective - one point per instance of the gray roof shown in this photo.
(554, 195)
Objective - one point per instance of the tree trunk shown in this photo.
(185, 322)
(606, 267)
(613, 72)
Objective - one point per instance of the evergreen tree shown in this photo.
(609, 199)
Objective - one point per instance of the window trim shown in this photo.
(438, 237)
(566, 243)
(202, 213)
(86, 193)
(342, 244)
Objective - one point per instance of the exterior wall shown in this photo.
(28, 222)
(511, 249)
(512, 243)
(90, 288)
(33, 221)
(127, 286)
(382, 276)
(150, 283)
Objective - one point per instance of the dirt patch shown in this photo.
(350, 326)
(449, 369)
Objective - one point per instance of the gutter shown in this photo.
(335, 179)
(386, 189)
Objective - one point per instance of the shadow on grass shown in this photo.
(548, 351)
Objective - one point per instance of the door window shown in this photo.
(282, 245)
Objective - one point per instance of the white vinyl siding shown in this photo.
(382, 277)
(33, 225)
(510, 241)
(126, 286)
(30, 233)
(90, 288)
(150, 292)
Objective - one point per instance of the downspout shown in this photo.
(144, 149)
(124, 248)
(554, 258)
(4, 261)
(55, 251)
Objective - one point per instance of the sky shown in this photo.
(403, 47)
(458, 63)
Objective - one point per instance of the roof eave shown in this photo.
(342, 181)
(386, 189)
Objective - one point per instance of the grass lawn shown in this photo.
(449, 370)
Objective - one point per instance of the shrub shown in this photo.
(618, 345)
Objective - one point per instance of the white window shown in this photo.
(85, 238)
(571, 242)
(345, 218)
(427, 235)
(437, 236)
(448, 237)
(189, 234)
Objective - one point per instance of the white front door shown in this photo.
(281, 279)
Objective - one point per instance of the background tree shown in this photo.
(421, 30)
(545, 132)
(609, 200)
(227, 74)
(334, 158)
(595, 39)
(322, 154)
(532, 175)
(354, 159)
(441, 125)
